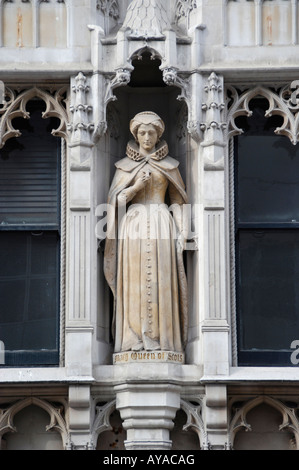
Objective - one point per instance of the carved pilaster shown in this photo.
(81, 127)
(213, 125)
(195, 421)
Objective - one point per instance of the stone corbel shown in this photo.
(81, 128)
(213, 125)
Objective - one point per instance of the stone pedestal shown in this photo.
(147, 411)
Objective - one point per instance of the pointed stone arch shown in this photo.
(57, 421)
(239, 420)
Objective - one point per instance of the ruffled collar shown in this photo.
(160, 152)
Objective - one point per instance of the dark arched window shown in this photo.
(29, 242)
(267, 240)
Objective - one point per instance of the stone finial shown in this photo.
(146, 19)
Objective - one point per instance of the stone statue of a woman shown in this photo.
(143, 263)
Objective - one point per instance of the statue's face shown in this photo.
(147, 137)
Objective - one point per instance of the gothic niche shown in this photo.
(147, 91)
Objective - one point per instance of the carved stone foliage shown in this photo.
(56, 414)
(15, 106)
(239, 411)
(283, 102)
(147, 19)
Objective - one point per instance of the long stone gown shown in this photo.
(142, 266)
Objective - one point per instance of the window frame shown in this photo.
(47, 358)
(274, 358)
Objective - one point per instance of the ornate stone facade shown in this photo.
(200, 66)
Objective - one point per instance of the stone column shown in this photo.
(212, 240)
(78, 312)
(147, 411)
(78, 324)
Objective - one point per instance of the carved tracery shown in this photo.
(56, 412)
(146, 19)
(239, 417)
(15, 106)
(184, 9)
(102, 420)
(283, 103)
(195, 421)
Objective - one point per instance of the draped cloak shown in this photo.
(126, 171)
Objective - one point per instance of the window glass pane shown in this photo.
(268, 294)
(267, 170)
(29, 290)
(268, 179)
(29, 172)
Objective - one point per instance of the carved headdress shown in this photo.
(147, 117)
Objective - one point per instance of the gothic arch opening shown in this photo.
(265, 431)
(31, 423)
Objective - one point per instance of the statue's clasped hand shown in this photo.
(146, 175)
